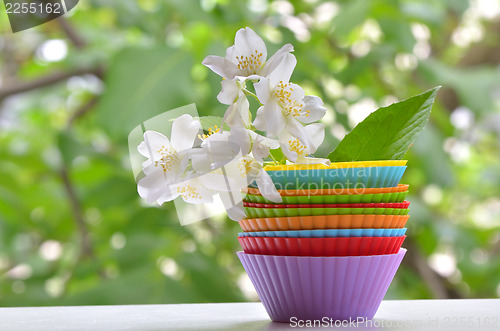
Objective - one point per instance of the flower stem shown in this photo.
(272, 157)
(247, 92)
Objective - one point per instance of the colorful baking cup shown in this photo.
(313, 288)
(253, 212)
(336, 178)
(323, 222)
(344, 198)
(345, 246)
(340, 191)
(404, 204)
(328, 233)
(337, 165)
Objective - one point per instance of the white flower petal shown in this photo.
(296, 151)
(286, 140)
(238, 114)
(168, 194)
(313, 109)
(244, 110)
(250, 51)
(233, 202)
(152, 144)
(262, 145)
(236, 212)
(267, 188)
(260, 119)
(184, 132)
(263, 90)
(241, 136)
(275, 60)
(221, 66)
(148, 166)
(317, 133)
(296, 92)
(199, 161)
(283, 70)
(270, 118)
(230, 56)
(253, 77)
(259, 150)
(217, 182)
(219, 153)
(232, 116)
(153, 185)
(298, 131)
(229, 92)
(271, 143)
(247, 39)
(193, 191)
(312, 160)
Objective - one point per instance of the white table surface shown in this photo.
(477, 314)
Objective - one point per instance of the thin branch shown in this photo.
(86, 107)
(495, 249)
(76, 208)
(50, 79)
(71, 33)
(438, 285)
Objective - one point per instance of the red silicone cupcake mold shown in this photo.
(348, 246)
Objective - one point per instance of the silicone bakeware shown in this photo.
(323, 222)
(328, 233)
(351, 191)
(322, 199)
(252, 212)
(311, 288)
(404, 204)
(336, 178)
(345, 246)
(336, 165)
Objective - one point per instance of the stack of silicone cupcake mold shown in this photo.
(331, 247)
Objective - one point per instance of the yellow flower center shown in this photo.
(168, 158)
(188, 191)
(209, 133)
(245, 166)
(283, 92)
(251, 64)
(296, 146)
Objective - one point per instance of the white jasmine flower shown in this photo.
(296, 151)
(285, 107)
(247, 57)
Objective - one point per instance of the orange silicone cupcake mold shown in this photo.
(323, 222)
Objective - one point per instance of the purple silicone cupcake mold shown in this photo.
(309, 288)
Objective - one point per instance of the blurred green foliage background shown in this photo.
(73, 229)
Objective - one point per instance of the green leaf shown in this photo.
(388, 132)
